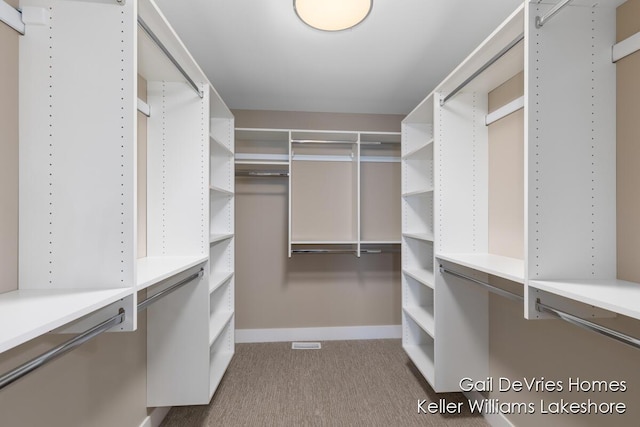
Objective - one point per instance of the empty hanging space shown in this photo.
(324, 188)
(380, 188)
(480, 172)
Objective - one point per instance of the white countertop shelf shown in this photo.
(423, 276)
(152, 270)
(423, 318)
(28, 313)
(615, 295)
(215, 238)
(217, 323)
(496, 265)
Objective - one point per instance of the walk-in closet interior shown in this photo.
(170, 220)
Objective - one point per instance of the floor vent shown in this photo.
(305, 346)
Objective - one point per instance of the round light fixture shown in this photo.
(332, 15)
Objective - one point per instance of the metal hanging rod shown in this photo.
(260, 174)
(378, 251)
(142, 305)
(39, 361)
(541, 20)
(30, 366)
(164, 50)
(379, 143)
(483, 68)
(590, 326)
(11, 16)
(320, 141)
(490, 288)
(323, 251)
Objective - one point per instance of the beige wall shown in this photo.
(273, 291)
(628, 139)
(555, 349)
(8, 158)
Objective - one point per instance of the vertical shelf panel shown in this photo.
(77, 171)
(571, 127)
(177, 173)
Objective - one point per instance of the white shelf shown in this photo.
(259, 158)
(215, 238)
(28, 313)
(261, 163)
(427, 237)
(220, 190)
(425, 277)
(218, 279)
(152, 270)
(422, 357)
(380, 242)
(614, 295)
(417, 192)
(324, 242)
(220, 144)
(217, 324)
(496, 265)
(417, 150)
(423, 318)
(218, 366)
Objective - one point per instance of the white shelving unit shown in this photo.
(568, 219)
(83, 194)
(343, 184)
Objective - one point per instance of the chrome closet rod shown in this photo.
(264, 174)
(35, 363)
(541, 20)
(590, 326)
(490, 288)
(142, 305)
(164, 50)
(483, 68)
(320, 141)
(323, 251)
(39, 361)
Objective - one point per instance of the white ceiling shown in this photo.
(259, 55)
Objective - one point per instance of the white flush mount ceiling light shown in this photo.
(332, 15)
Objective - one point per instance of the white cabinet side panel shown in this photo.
(178, 345)
(570, 127)
(461, 174)
(178, 187)
(77, 153)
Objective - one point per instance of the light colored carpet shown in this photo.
(346, 383)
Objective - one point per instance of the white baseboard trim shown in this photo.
(154, 419)
(319, 334)
(496, 420)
